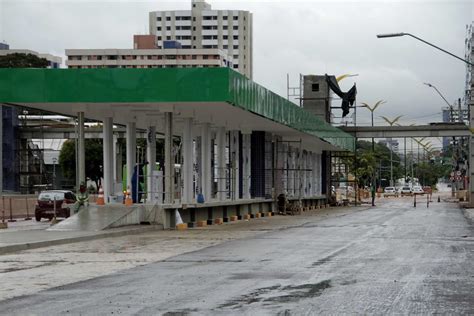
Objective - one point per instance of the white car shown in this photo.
(406, 190)
(390, 191)
(418, 190)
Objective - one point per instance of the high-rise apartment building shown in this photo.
(204, 28)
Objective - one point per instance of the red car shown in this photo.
(45, 204)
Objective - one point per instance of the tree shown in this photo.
(20, 60)
(377, 162)
(94, 159)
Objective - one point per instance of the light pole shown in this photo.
(372, 109)
(421, 40)
(54, 172)
(391, 123)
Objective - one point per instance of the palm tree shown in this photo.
(391, 123)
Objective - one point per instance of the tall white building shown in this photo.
(204, 28)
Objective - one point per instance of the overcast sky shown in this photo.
(308, 37)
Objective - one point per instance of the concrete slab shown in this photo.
(20, 240)
(97, 218)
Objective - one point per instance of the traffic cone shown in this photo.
(100, 198)
(128, 198)
(179, 221)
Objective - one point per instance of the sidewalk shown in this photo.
(19, 239)
(26, 235)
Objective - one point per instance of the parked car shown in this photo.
(45, 204)
(418, 190)
(405, 190)
(390, 191)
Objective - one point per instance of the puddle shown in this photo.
(279, 294)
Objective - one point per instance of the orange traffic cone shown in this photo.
(100, 198)
(128, 198)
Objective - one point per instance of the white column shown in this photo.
(169, 159)
(284, 149)
(114, 160)
(234, 145)
(246, 165)
(108, 149)
(1, 150)
(471, 150)
(151, 159)
(81, 154)
(221, 164)
(187, 169)
(131, 139)
(311, 173)
(303, 173)
(291, 171)
(206, 162)
(317, 174)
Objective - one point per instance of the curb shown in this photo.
(62, 241)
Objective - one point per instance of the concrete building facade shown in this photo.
(146, 58)
(204, 28)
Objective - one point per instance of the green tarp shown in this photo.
(162, 85)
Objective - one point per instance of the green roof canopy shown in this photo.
(162, 85)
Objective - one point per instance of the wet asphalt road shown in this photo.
(392, 259)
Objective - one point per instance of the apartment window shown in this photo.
(194, 38)
(225, 17)
(194, 28)
(236, 66)
(194, 5)
(158, 38)
(168, 38)
(236, 18)
(112, 57)
(225, 46)
(194, 18)
(168, 28)
(225, 37)
(168, 18)
(158, 28)
(236, 37)
(171, 57)
(236, 27)
(158, 18)
(186, 46)
(315, 87)
(236, 47)
(236, 56)
(225, 27)
(205, 57)
(193, 57)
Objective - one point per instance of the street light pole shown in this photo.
(427, 43)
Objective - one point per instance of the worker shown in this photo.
(82, 198)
